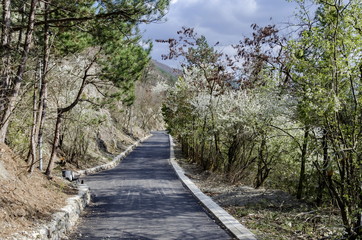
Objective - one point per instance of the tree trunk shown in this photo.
(6, 16)
(129, 127)
(5, 52)
(203, 144)
(41, 120)
(322, 182)
(302, 164)
(32, 150)
(43, 94)
(13, 96)
(61, 112)
(23, 22)
(232, 151)
(55, 143)
(263, 165)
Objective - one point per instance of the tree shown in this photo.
(210, 79)
(121, 64)
(63, 16)
(326, 75)
(13, 83)
(55, 24)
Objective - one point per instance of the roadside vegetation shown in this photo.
(77, 88)
(268, 213)
(283, 112)
(59, 61)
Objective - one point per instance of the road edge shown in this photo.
(64, 220)
(234, 226)
(114, 162)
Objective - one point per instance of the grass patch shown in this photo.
(287, 222)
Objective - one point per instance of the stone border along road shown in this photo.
(114, 162)
(230, 223)
(63, 221)
(143, 198)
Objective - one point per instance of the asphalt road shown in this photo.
(142, 198)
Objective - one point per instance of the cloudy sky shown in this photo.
(224, 21)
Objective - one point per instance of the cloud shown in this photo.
(221, 10)
(226, 21)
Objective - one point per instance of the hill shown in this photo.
(171, 74)
(26, 200)
(92, 134)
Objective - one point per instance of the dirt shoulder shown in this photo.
(29, 200)
(26, 201)
(268, 213)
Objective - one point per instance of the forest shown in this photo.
(70, 72)
(284, 111)
(60, 59)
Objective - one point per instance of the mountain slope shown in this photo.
(91, 135)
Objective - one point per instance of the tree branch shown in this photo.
(290, 135)
(123, 14)
(84, 83)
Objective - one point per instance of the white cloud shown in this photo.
(226, 21)
(235, 8)
(226, 7)
(226, 17)
(186, 2)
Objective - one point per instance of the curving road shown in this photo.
(142, 198)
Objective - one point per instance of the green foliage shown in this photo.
(124, 65)
(72, 41)
(327, 80)
(51, 34)
(297, 112)
(72, 36)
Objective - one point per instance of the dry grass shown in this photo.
(26, 200)
(269, 214)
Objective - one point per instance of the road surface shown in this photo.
(142, 198)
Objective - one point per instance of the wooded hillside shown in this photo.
(284, 111)
(77, 88)
(69, 66)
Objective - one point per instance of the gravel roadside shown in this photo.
(268, 213)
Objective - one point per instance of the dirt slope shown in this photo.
(26, 200)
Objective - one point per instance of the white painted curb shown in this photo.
(236, 228)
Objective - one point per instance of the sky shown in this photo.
(224, 21)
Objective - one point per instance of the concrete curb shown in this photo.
(63, 221)
(237, 229)
(114, 162)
